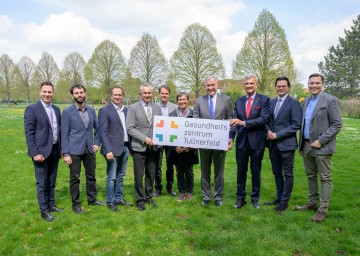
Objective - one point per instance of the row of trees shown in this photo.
(265, 53)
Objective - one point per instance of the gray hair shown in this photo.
(145, 85)
(210, 77)
(248, 76)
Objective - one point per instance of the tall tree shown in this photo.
(196, 57)
(23, 77)
(47, 69)
(6, 77)
(106, 67)
(265, 53)
(342, 64)
(147, 61)
(73, 69)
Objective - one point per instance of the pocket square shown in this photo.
(257, 107)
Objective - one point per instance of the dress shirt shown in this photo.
(122, 118)
(164, 109)
(84, 115)
(53, 121)
(308, 114)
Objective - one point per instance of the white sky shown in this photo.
(29, 27)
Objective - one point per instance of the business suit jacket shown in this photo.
(111, 132)
(171, 106)
(138, 127)
(223, 108)
(326, 122)
(75, 136)
(286, 124)
(254, 131)
(38, 131)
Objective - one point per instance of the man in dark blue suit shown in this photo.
(80, 142)
(251, 113)
(115, 147)
(285, 121)
(42, 125)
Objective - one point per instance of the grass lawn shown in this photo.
(176, 228)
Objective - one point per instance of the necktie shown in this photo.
(51, 117)
(148, 113)
(212, 114)
(248, 107)
(277, 107)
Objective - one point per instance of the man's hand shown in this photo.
(95, 148)
(316, 144)
(271, 135)
(149, 141)
(68, 160)
(236, 121)
(229, 145)
(109, 156)
(39, 158)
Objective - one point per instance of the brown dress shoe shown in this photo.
(306, 207)
(318, 217)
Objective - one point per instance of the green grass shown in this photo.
(174, 228)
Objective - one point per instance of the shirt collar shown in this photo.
(117, 108)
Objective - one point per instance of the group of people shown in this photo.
(256, 122)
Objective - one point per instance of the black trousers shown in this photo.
(45, 174)
(89, 162)
(185, 178)
(144, 162)
(242, 158)
(169, 170)
(282, 163)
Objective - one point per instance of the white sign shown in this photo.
(191, 132)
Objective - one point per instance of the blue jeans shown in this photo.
(116, 170)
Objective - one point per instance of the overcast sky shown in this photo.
(29, 27)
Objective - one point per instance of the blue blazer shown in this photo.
(111, 132)
(254, 131)
(38, 131)
(286, 124)
(75, 136)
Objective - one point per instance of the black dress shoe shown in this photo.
(96, 202)
(152, 203)
(157, 193)
(218, 203)
(256, 205)
(274, 202)
(123, 202)
(56, 209)
(281, 207)
(205, 202)
(140, 207)
(171, 192)
(113, 207)
(77, 209)
(47, 216)
(239, 204)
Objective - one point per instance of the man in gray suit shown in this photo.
(139, 126)
(320, 124)
(213, 106)
(166, 108)
(79, 144)
(285, 121)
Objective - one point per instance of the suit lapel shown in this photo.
(114, 112)
(243, 106)
(254, 104)
(43, 111)
(319, 103)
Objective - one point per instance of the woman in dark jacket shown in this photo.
(183, 157)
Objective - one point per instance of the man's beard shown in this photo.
(79, 100)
